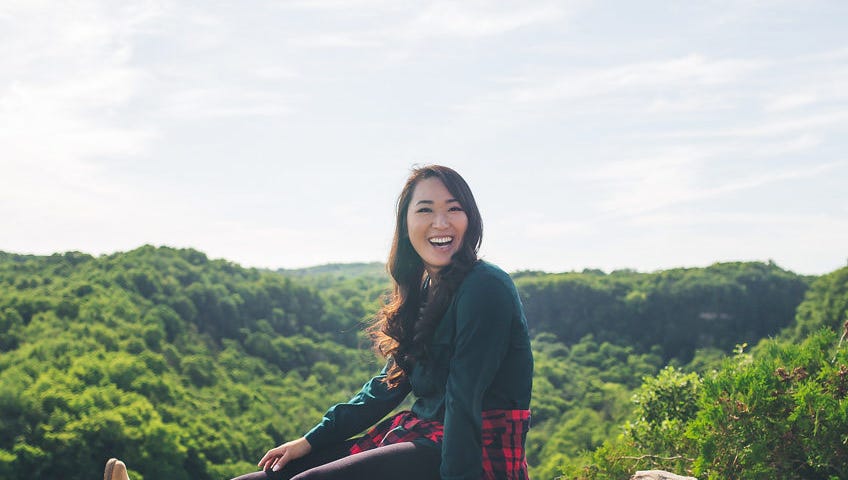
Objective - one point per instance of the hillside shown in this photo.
(192, 368)
(187, 366)
(778, 410)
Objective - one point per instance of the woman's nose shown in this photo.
(440, 220)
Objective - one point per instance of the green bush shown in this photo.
(780, 413)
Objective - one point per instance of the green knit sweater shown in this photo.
(480, 360)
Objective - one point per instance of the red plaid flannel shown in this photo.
(504, 432)
(403, 427)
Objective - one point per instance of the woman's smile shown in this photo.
(441, 241)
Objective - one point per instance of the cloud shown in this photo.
(226, 101)
(803, 242)
(59, 127)
(61, 94)
(807, 81)
(98, 97)
(548, 230)
(479, 18)
(445, 18)
(790, 101)
(645, 186)
(728, 219)
(691, 84)
(683, 73)
(769, 127)
(401, 25)
(698, 84)
(342, 5)
(337, 40)
(765, 178)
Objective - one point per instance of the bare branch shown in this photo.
(657, 457)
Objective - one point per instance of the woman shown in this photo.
(454, 335)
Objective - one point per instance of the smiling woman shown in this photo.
(454, 335)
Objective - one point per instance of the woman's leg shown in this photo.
(406, 461)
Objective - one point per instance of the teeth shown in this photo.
(441, 240)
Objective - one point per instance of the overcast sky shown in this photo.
(595, 134)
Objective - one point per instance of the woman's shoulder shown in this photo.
(485, 274)
(488, 292)
(483, 267)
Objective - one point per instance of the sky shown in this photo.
(277, 134)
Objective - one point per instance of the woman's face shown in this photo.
(436, 224)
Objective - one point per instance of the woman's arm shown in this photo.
(484, 316)
(341, 421)
(344, 420)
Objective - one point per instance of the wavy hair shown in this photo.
(401, 330)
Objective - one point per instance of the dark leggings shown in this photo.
(406, 460)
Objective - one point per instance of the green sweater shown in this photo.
(481, 360)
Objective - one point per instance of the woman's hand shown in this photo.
(278, 457)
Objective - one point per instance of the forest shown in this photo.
(191, 368)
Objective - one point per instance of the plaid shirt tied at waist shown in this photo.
(503, 435)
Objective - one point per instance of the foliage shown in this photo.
(157, 355)
(779, 412)
(825, 305)
(580, 396)
(192, 368)
(653, 438)
(351, 294)
(679, 310)
(664, 406)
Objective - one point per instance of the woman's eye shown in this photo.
(456, 209)
(424, 210)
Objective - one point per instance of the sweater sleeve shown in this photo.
(344, 420)
(483, 324)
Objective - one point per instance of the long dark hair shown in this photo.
(397, 332)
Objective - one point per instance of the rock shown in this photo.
(658, 475)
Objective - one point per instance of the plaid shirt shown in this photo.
(403, 427)
(503, 432)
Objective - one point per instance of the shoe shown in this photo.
(115, 470)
